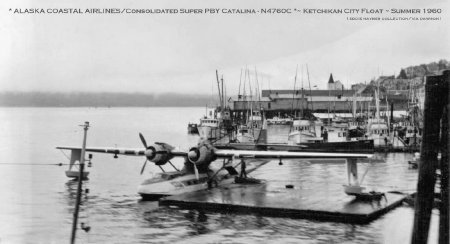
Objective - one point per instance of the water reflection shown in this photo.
(198, 221)
(72, 189)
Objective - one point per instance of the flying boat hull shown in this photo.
(161, 186)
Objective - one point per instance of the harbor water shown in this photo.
(37, 199)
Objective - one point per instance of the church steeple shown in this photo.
(331, 80)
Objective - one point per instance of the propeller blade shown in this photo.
(143, 166)
(196, 171)
(143, 140)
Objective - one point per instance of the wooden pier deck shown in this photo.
(292, 203)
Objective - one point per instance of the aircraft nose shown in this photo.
(192, 154)
(149, 153)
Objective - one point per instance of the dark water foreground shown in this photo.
(37, 200)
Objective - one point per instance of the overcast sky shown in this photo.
(180, 53)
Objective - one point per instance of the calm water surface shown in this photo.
(37, 200)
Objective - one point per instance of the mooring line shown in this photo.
(42, 164)
(62, 151)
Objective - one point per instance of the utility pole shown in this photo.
(80, 179)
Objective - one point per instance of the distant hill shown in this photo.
(88, 99)
(423, 69)
(407, 77)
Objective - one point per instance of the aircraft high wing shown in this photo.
(118, 151)
(204, 153)
(122, 151)
(285, 154)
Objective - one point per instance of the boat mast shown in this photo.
(377, 105)
(388, 118)
(239, 90)
(310, 91)
(329, 105)
(302, 112)
(251, 100)
(293, 93)
(218, 88)
(258, 96)
(223, 98)
(245, 97)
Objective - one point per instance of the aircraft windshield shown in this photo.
(161, 177)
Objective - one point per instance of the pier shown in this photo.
(289, 202)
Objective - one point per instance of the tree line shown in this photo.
(103, 99)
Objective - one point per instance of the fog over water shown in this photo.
(103, 99)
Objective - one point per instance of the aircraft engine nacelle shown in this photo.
(203, 154)
(159, 153)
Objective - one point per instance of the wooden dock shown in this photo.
(293, 203)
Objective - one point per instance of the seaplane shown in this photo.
(197, 175)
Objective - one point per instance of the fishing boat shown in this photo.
(360, 146)
(192, 128)
(377, 128)
(209, 128)
(252, 130)
(279, 121)
(303, 131)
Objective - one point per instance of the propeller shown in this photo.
(147, 155)
(143, 166)
(196, 171)
(193, 154)
(143, 140)
(158, 153)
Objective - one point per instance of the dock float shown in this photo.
(291, 203)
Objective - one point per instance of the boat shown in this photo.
(217, 123)
(337, 132)
(360, 146)
(279, 121)
(377, 130)
(303, 131)
(356, 129)
(252, 130)
(192, 128)
(209, 128)
(414, 163)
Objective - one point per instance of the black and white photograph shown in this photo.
(215, 121)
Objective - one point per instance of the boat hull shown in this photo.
(208, 132)
(299, 137)
(362, 146)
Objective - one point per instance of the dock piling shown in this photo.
(436, 98)
(444, 220)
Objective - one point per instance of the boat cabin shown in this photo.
(301, 125)
(378, 129)
(209, 122)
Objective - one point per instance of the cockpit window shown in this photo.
(176, 184)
